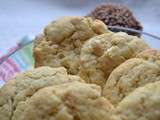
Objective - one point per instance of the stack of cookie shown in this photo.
(83, 71)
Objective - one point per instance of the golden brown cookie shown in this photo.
(101, 54)
(70, 101)
(131, 74)
(128, 76)
(62, 41)
(24, 85)
(142, 104)
(151, 55)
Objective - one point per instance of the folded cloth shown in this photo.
(18, 58)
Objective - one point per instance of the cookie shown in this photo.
(142, 104)
(61, 43)
(151, 55)
(101, 54)
(129, 75)
(70, 101)
(24, 85)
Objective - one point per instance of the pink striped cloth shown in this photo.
(19, 58)
(9, 67)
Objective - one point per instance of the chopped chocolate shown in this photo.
(116, 15)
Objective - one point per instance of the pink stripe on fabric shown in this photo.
(13, 64)
(8, 69)
(2, 73)
(5, 73)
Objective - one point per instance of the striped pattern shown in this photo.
(17, 62)
(8, 69)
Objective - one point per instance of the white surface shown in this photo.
(21, 17)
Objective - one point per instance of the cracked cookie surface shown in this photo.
(101, 54)
(131, 74)
(70, 101)
(141, 104)
(151, 55)
(24, 85)
(62, 41)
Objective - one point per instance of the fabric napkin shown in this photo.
(18, 59)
